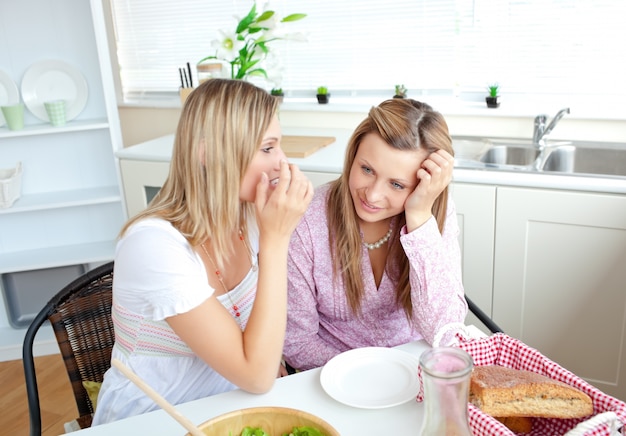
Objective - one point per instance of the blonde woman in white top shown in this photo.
(212, 242)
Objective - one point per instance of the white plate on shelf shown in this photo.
(9, 94)
(371, 377)
(54, 80)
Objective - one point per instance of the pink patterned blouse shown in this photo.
(320, 323)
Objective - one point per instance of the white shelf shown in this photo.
(71, 206)
(51, 257)
(61, 199)
(47, 129)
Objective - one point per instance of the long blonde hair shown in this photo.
(404, 124)
(220, 129)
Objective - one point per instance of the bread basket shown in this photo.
(500, 349)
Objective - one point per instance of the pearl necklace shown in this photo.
(218, 273)
(380, 242)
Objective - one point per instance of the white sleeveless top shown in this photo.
(157, 275)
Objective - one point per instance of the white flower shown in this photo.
(268, 35)
(228, 46)
(274, 68)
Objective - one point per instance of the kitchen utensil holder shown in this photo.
(184, 93)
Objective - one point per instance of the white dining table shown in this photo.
(301, 391)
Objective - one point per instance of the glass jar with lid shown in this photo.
(209, 70)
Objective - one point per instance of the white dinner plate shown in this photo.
(54, 80)
(9, 94)
(371, 377)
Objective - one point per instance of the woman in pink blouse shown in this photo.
(375, 261)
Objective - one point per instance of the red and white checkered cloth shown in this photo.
(503, 350)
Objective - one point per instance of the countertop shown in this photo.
(330, 160)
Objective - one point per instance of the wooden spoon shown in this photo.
(157, 398)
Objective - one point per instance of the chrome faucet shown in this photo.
(541, 130)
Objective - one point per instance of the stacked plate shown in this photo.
(9, 95)
(54, 80)
(46, 81)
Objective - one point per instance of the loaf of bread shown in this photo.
(505, 392)
(517, 424)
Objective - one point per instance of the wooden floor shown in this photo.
(55, 397)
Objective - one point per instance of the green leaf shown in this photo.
(255, 29)
(247, 20)
(265, 16)
(304, 431)
(260, 72)
(493, 89)
(263, 47)
(311, 431)
(293, 17)
(244, 72)
(249, 431)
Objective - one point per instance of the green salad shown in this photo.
(296, 431)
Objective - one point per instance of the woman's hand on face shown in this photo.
(433, 176)
(279, 210)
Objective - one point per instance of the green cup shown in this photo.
(14, 116)
(56, 112)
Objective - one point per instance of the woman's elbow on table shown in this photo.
(259, 385)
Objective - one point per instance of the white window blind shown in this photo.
(360, 47)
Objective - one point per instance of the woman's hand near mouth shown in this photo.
(282, 201)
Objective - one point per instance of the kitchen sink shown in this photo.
(510, 155)
(567, 157)
(585, 160)
(492, 153)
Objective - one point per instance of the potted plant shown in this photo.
(400, 91)
(322, 95)
(246, 48)
(493, 98)
(278, 93)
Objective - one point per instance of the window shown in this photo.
(360, 47)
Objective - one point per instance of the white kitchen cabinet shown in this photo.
(476, 213)
(71, 206)
(560, 279)
(142, 180)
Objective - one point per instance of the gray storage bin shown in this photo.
(26, 292)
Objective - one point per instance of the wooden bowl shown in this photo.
(273, 420)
